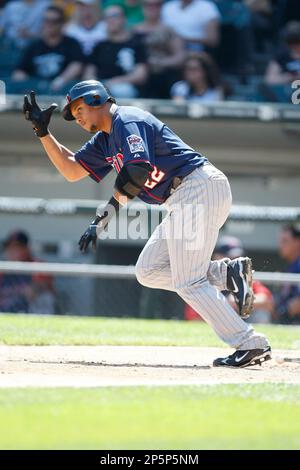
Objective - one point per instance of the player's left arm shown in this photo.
(128, 185)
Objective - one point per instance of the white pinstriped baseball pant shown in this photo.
(177, 256)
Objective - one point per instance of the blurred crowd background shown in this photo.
(43, 294)
(197, 50)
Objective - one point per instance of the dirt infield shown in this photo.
(94, 366)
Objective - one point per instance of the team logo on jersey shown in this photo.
(135, 143)
(116, 161)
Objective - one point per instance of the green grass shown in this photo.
(260, 416)
(264, 416)
(47, 330)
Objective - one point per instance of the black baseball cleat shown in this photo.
(245, 358)
(239, 283)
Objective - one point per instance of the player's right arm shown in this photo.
(63, 159)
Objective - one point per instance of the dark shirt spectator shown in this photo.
(24, 292)
(234, 53)
(284, 68)
(201, 81)
(287, 10)
(165, 51)
(3, 3)
(55, 58)
(21, 21)
(262, 22)
(288, 304)
(120, 60)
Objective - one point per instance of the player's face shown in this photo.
(87, 117)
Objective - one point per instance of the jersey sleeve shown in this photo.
(136, 141)
(93, 159)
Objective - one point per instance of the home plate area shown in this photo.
(98, 366)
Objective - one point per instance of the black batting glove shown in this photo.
(40, 118)
(104, 214)
(93, 232)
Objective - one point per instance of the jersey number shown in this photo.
(156, 177)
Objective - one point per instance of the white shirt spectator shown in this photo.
(21, 15)
(182, 90)
(190, 21)
(87, 38)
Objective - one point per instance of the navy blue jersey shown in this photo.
(137, 135)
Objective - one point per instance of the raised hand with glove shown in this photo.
(40, 118)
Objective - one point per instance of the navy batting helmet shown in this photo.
(94, 93)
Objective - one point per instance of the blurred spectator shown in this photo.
(229, 248)
(287, 10)
(87, 28)
(288, 304)
(68, 6)
(235, 50)
(196, 21)
(120, 61)
(262, 24)
(3, 3)
(55, 58)
(132, 8)
(285, 66)
(201, 80)
(24, 292)
(165, 51)
(21, 21)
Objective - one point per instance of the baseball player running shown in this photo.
(153, 163)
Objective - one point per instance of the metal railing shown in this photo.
(117, 272)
